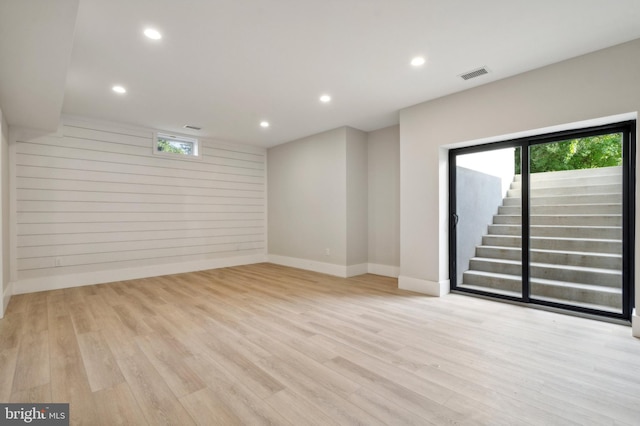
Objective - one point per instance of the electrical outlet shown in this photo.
(327, 252)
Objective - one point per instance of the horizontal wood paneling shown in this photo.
(77, 217)
(223, 189)
(110, 235)
(128, 138)
(112, 247)
(120, 207)
(50, 165)
(29, 229)
(54, 145)
(226, 153)
(115, 197)
(120, 256)
(95, 198)
(51, 146)
(123, 267)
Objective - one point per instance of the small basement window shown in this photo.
(184, 146)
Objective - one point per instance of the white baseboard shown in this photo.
(309, 265)
(333, 269)
(336, 270)
(33, 285)
(6, 297)
(384, 270)
(431, 288)
(635, 324)
(354, 270)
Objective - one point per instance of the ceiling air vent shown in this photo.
(186, 126)
(475, 73)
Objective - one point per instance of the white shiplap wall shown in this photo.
(93, 198)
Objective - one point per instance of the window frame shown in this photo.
(196, 156)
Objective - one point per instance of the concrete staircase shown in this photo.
(576, 241)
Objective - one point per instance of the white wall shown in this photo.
(5, 294)
(357, 203)
(498, 162)
(307, 195)
(589, 87)
(318, 203)
(384, 201)
(94, 204)
(478, 197)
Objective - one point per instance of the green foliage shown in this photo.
(165, 145)
(583, 153)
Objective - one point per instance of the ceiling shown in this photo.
(226, 65)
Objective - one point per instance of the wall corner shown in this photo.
(6, 297)
(430, 288)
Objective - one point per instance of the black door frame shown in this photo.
(628, 129)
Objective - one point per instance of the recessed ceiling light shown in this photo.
(264, 124)
(325, 98)
(152, 34)
(418, 61)
(119, 89)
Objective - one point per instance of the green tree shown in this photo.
(175, 147)
(582, 153)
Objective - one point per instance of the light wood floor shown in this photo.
(267, 344)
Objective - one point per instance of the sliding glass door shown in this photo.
(488, 251)
(546, 220)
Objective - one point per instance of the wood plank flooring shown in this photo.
(265, 344)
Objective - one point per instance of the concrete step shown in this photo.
(592, 245)
(564, 220)
(560, 231)
(568, 292)
(565, 273)
(565, 209)
(576, 292)
(571, 181)
(570, 190)
(617, 308)
(566, 174)
(549, 299)
(557, 257)
(614, 198)
(512, 293)
(490, 280)
(576, 240)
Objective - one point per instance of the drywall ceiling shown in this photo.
(36, 38)
(226, 65)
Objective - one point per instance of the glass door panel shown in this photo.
(576, 213)
(488, 231)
